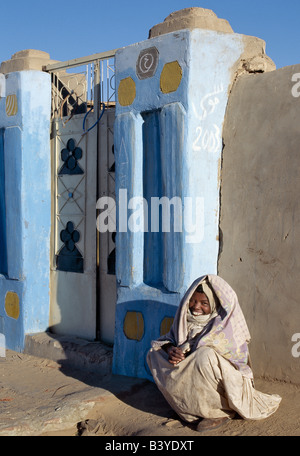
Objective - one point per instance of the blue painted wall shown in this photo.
(167, 143)
(3, 249)
(24, 123)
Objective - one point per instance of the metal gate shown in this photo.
(82, 279)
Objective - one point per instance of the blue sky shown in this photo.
(67, 29)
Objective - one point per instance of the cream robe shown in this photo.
(214, 380)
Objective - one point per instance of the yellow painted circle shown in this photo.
(170, 77)
(165, 325)
(11, 105)
(126, 92)
(12, 305)
(134, 325)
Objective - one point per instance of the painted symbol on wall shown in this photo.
(126, 92)
(11, 105)
(208, 135)
(12, 305)
(147, 63)
(209, 103)
(134, 325)
(208, 139)
(170, 77)
(166, 325)
(70, 156)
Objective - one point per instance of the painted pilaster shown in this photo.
(24, 288)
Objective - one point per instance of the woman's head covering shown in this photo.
(195, 324)
(226, 332)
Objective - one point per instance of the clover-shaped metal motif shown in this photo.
(70, 236)
(70, 156)
(69, 257)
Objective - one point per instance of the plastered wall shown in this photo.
(260, 215)
(25, 102)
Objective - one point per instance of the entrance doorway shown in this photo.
(83, 282)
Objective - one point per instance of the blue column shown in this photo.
(3, 248)
(25, 206)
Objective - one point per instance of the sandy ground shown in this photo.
(145, 413)
(42, 398)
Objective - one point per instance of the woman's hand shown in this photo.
(175, 355)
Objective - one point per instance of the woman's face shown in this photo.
(199, 304)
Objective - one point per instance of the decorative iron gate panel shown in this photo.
(83, 288)
(73, 284)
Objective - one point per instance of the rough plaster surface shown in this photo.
(254, 58)
(190, 18)
(260, 215)
(27, 59)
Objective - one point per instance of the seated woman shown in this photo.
(202, 365)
